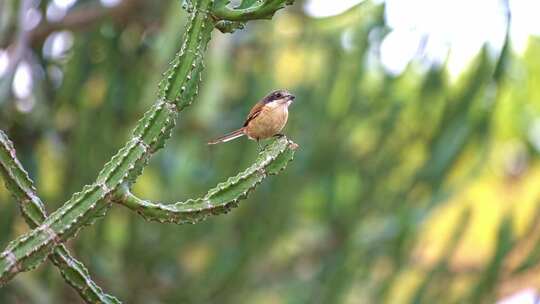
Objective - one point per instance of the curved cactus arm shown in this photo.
(177, 90)
(22, 188)
(249, 9)
(223, 197)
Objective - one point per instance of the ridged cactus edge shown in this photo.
(177, 90)
(220, 199)
(32, 209)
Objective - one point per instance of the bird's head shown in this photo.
(279, 97)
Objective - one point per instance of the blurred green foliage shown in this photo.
(406, 189)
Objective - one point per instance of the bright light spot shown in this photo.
(110, 3)
(397, 50)
(4, 61)
(435, 50)
(25, 105)
(460, 59)
(65, 4)
(22, 81)
(526, 296)
(57, 44)
(327, 8)
(452, 26)
(55, 13)
(347, 40)
(525, 22)
(31, 19)
(454, 30)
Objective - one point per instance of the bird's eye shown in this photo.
(278, 95)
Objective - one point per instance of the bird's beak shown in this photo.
(290, 99)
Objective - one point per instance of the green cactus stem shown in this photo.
(221, 199)
(249, 9)
(22, 188)
(177, 90)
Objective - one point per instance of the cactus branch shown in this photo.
(177, 90)
(22, 188)
(249, 10)
(223, 197)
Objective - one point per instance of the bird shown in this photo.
(266, 119)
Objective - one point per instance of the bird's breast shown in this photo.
(268, 123)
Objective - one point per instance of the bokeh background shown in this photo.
(417, 180)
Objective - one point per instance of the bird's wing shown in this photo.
(255, 111)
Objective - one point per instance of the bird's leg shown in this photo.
(259, 144)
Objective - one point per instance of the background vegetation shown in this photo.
(410, 187)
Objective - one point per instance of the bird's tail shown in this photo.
(228, 137)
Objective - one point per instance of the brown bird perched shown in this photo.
(266, 119)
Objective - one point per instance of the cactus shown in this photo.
(220, 199)
(177, 90)
(33, 211)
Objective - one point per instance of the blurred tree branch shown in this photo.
(85, 18)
